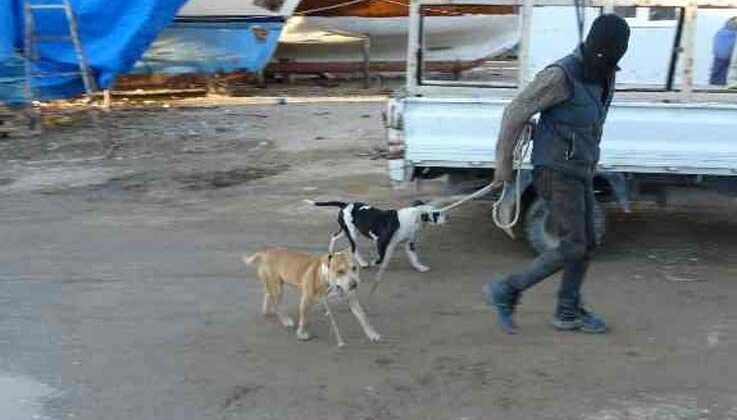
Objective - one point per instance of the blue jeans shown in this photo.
(571, 203)
(719, 70)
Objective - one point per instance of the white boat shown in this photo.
(322, 35)
(453, 41)
(224, 8)
(215, 36)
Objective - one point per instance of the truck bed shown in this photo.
(644, 132)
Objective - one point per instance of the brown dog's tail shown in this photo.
(252, 259)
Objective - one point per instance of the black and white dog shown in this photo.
(388, 228)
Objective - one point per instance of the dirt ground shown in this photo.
(123, 296)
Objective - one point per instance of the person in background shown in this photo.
(732, 72)
(572, 96)
(723, 46)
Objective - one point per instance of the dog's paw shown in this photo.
(374, 337)
(303, 335)
(287, 322)
(422, 268)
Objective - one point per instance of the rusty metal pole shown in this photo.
(689, 29)
(107, 100)
(414, 48)
(523, 53)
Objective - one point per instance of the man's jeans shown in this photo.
(571, 203)
(719, 70)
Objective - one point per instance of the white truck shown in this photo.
(679, 134)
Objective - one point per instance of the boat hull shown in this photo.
(451, 40)
(213, 45)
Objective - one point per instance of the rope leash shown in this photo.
(520, 153)
(521, 150)
(483, 191)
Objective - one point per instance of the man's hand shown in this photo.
(497, 184)
(503, 172)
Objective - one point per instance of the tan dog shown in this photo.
(316, 277)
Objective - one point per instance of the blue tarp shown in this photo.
(114, 33)
(7, 35)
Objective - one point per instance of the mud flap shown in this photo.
(506, 208)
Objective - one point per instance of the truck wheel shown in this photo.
(542, 235)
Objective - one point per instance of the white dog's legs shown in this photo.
(359, 259)
(354, 248)
(333, 239)
(380, 273)
(356, 254)
(357, 310)
(412, 256)
(352, 236)
(333, 324)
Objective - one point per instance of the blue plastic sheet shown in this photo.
(7, 33)
(115, 34)
(12, 80)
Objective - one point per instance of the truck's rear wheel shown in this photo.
(540, 232)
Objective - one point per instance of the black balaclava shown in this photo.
(604, 46)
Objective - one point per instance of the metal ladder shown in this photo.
(32, 39)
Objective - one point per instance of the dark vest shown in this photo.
(567, 135)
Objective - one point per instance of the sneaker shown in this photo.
(500, 297)
(585, 321)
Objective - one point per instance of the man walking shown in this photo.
(723, 46)
(573, 97)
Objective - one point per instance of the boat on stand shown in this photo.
(325, 35)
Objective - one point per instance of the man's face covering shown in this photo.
(604, 46)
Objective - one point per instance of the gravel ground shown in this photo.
(122, 293)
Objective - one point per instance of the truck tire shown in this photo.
(540, 233)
